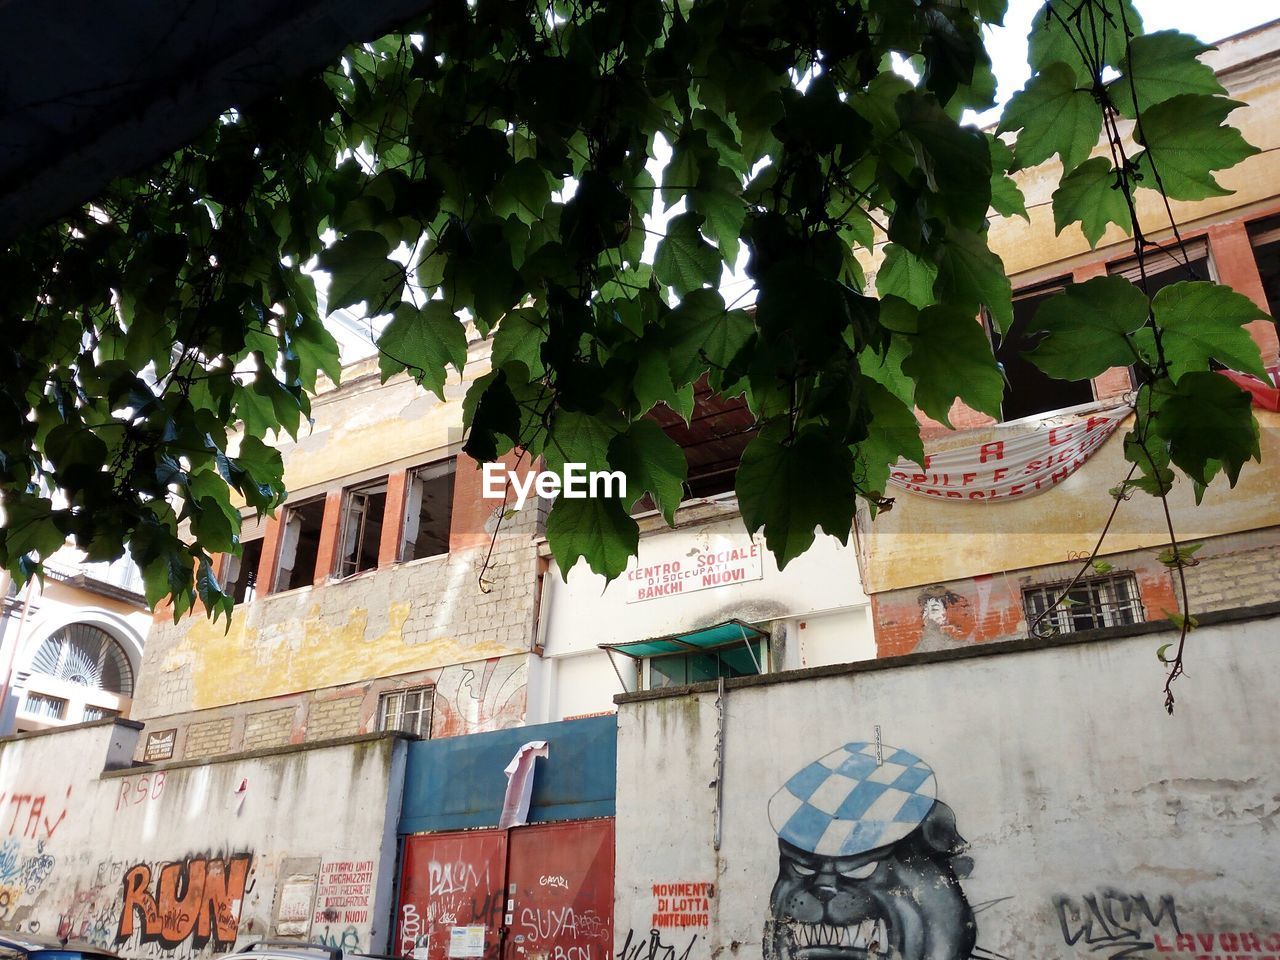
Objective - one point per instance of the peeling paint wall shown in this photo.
(186, 861)
(1031, 804)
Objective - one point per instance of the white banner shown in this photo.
(1018, 461)
(719, 562)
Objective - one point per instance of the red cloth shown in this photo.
(1265, 396)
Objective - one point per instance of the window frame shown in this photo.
(290, 509)
(759, 652)
(444, 467)
(1107, 613)
(427, 697)
(363, 491)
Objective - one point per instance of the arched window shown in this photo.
(86, 655)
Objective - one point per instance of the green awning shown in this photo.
(706, 638)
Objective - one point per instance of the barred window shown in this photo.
(40, 705)
(408, 711)
(1109, 601)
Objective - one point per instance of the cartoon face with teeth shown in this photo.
(870, 863)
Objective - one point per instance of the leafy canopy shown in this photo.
(494, 168)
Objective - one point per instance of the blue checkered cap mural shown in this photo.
(846, 804)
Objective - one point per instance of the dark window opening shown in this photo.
(299, 545)
(241, 573)
(428, 511)
(408, 711)
(713, 440)
(363, 509)
(1110, 601)
(677, 670)
(1265, 237)
(1028, 390)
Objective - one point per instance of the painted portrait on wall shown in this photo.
(870, 862)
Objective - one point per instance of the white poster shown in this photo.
(676, 567)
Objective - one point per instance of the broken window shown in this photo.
(713, 440)
(1110, 601)
(428, 510)
(1028, 390)
(240, 575)
(363, 510)
(408, 711)
(1265, 238)
(299, 545)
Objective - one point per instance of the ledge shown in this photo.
(1025, 645)
(88, 724)
(142, 767)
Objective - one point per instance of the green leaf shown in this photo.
(1201, 321)
(704, 335)
(1091, 195)
(792, 490)
(1053, 40)
(719, 199)
(951, 359)
(424, 340)
(1088, 325)
(653, 462)
(892, 432)
(1054, 115)
(360, 271)
(1207, 420)
(595, 528)
(580, 438)
(1181, 556)
(652, 385)
(1006, 199)
(905, 275)
(684, 259)
(969, 273)
(521, 334)
(1164, 647)
(523, 191)
(1160, 66)
(1188, 139)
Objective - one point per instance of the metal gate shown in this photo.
(538, 892)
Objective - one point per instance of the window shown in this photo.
(39, 705)
(97, 713)
(241, 573)
(1109, 601)
(408, 711)
(1028, 390)
(428, 511)
(299, 544)
(363, 509)
(1165, 268)
(1265, 237)
(713, 440)
(735, 660)
(87, 656)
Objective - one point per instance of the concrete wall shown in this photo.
(1095, 824)
(816, 607)
(186, 860)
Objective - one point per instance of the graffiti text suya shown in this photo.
(196, 899)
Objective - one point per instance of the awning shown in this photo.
(694, 641)
(703, 640)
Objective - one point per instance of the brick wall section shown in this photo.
(268, 728)
(208, 739)
(1237, 570)
(333, 718)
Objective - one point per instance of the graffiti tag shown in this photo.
(196, 899)
(652, 947)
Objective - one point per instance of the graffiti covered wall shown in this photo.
(1037, 804)
(191, 860)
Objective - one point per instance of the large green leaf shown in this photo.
(969, 273)
(1186, 139)
(1159, 66)
(1091, 194)
(705, 336)
(424, 340)
(951, 359)
(892, 432)
(1201, 321)
(1208, 421)
(1060, 30)
(905, 275)
(360, 271)
(580, 438)
(598, 529)
(1054, 115)
(684, 259)
(653, 462)
(791, 490)
(1088, 326)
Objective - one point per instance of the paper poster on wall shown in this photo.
(466, 941)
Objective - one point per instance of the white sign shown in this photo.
(717, 562)
(466, 941)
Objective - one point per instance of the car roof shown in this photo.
(33, 942)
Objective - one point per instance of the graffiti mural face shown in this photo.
(869, 863)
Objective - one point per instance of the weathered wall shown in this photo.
(822, 587)
(1096, 825)
(187, 860)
